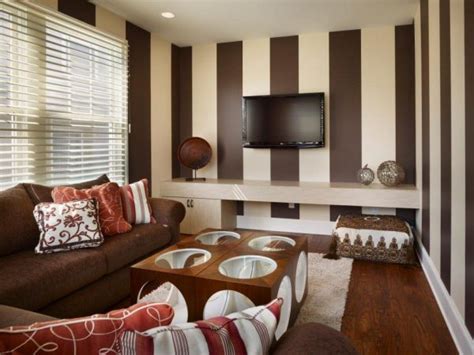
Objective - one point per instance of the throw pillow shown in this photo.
(136, 208)
(67, 226)
(247, 332)
(97, 334)
(40, 193)
(110, 205)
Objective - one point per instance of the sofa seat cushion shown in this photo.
(123, 249)
(33, 281)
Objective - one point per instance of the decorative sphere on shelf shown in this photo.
(390, 173)
(365, 175)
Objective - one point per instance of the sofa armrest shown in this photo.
(170, 213)
(11, 316)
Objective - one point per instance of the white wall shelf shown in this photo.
(317, 193)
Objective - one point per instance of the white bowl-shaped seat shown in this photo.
(247, 267)
(183, 258)
(168, 293)
(218, 237)
(225, 302)
(272, 243)
(285, 292)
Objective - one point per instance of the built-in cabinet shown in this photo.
(205, 213)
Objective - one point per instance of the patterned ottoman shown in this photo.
(376, 238)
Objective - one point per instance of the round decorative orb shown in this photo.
(194, 153)
(390, 173)
(365, 175)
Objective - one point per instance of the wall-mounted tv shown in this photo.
(283, 121)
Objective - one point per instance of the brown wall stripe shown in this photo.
(175, 109)
(405, 107)
(425, 125)
(229, 111)
(469, 73)
(139, 100)
(185, 101)
(284, 80)
(79, 9)
(445, 84)
(346, 111)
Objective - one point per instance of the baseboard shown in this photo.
(461, 336)
(285, 225)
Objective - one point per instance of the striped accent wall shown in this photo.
(446, 92)
(368, 79)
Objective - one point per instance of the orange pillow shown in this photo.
(97, 334)
(110, 205)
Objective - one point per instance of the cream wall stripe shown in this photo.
(378, 99)
(419, 169)
(160, 72)
(314, 77)
(458, 157)
(109, 22)
(378, 95)
(204, 105)
(256, 81)
(435, 133)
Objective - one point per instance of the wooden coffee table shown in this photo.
(236, 270)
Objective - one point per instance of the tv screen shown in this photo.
(283, 121)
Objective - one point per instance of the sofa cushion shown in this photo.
(143, 239)
(110, 205)
(32, 281)
(18, 229)
(41, 193)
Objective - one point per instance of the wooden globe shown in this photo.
(194, 153)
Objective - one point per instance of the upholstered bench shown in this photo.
(375, 238)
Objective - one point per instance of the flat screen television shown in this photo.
(283, 121)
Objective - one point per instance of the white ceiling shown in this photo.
(207, 21)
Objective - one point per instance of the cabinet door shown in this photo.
(206, 214)
(186, 226)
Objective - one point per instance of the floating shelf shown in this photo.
(315, 193)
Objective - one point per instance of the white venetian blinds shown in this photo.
(63, 99)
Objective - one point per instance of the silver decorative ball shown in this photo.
(365, 175)
(390, 173)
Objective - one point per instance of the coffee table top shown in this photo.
(240, 256)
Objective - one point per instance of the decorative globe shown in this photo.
(365, 175)
(194, 153)
(390, 173)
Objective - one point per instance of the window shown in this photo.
(63, 99)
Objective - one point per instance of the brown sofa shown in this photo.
(73, 283)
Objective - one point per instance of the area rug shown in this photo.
(328, 284)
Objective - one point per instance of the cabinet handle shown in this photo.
(192, 203)
(187, 203)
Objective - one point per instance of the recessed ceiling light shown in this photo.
(167, 14)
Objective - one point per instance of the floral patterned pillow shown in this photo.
(67, 226)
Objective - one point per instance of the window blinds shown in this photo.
(63, 99)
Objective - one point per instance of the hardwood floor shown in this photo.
(390, 309)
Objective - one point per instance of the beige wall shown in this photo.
(160, 112)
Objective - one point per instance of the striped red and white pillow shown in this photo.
(136, 208)
(247, 332)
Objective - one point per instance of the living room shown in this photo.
(237, 176)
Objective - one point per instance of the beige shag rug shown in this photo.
(328, 284)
